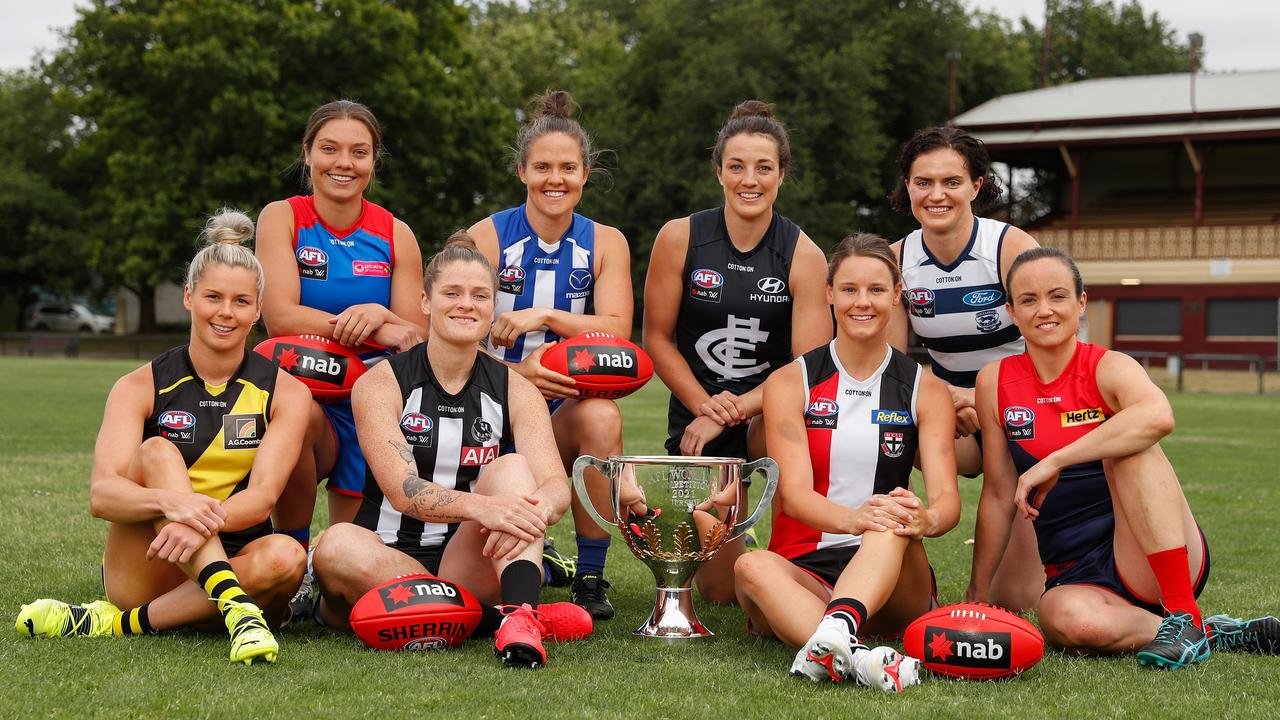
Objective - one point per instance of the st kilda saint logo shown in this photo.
(511, 280)
(892, 444)
(602, 360)
(822, 414)
(920, 301)
(959, 648)
(312, 364)
(1019, 423)
(313, 263)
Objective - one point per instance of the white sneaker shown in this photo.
(303, 604)
(886, 669)
(829, 653)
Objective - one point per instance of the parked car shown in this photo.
(68, 317)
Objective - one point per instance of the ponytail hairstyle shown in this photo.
(340, 110)
(968, 147)
(1040, 253)
(460, 247)
(863, 245)
(753, 117)
(553, 112)
(224, 236)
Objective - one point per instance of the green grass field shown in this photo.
(1225, 450)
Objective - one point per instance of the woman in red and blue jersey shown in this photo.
(344, 268)
(844, 422)
(561, 275)
(1071, 440)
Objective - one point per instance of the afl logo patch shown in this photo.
(822, 414)
(921, 304)
(511, 280)
(1019, 423)
(706, 285)
(982, 298)
(313, 263)
(580, 279)
(771, 285)
(177, 419)
(417, 429)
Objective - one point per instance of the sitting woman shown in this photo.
(194, 450)
(1071, 437)
(844, 422)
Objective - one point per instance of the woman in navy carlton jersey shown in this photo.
(844, 422)
(195, 449)
(729, 298)
(952, 269)
(444, 495)
(341, 267)
(1071, 439)
(561, 275)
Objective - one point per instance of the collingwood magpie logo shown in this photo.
(481, 430)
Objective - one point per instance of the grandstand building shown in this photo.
(1166, 190)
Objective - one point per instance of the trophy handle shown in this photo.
(580, 485)
(770, 469)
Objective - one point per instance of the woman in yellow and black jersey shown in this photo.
(194, 451)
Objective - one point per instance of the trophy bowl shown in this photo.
(675, 513)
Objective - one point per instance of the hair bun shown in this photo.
(752, 108)
(554, 103)
(228, 226)
(460, 239)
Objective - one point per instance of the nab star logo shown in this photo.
(582, 360)
(288, 359)
(603, 360)
(707, 279)
(968, 649)
(312, 257)
(416, 423)
(400, 594)
(177, 419)
(940, 647)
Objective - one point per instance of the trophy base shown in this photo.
(673, 617)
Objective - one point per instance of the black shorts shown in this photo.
(826, 564)
(1098, 568)
(730, 443)
(234, 542)
(428, 556)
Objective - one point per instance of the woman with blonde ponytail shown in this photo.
(194, 450)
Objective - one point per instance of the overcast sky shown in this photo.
(1239, 34)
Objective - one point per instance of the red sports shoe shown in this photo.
(518, 641)
(564, 621)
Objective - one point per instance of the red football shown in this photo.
(604, 365)
(415, 612)
(327, 368)
(974, 641)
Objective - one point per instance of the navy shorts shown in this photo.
(732, 442)
(1098, 568)
(349, 469)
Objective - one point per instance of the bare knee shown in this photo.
(753, 572)
(598, 422)
(1074, 626)
(276, 561)
(154, 455)
(338, 550)
(509, 474)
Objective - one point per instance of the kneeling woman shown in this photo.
(442, 495)
(194, 450)
(844, 422)
(1071, 439)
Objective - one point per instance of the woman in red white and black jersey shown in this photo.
(844, 422)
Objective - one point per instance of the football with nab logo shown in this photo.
(974, 641)
(326, 367)
(604, 365)
(415, 612)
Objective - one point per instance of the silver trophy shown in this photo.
(675, 513)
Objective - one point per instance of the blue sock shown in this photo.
(302, 535)
(591, 554)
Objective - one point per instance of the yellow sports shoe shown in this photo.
(54, 618)
(250, 638)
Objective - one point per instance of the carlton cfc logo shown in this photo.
(707, 279)
(921, 296)
(177, 419)
(416, 423)
(511, 273)
(313, 257)
(822, 407)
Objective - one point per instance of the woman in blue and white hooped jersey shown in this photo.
(952, 270)
(560, 275)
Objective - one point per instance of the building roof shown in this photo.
(1138, 99)
(1177, 131)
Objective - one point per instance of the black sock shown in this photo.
(521, 583)
(852, 612)
(490, 619)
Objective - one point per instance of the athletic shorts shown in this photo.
(826, 564)
(1098, 568)
(730, 443)
(234, 542)
(976, 436)
(428, 556)
(349, 469)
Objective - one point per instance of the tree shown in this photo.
(190, 104)
(1099, 38)
(38, 212)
